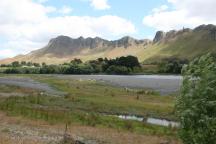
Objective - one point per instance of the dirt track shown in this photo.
(29, 83)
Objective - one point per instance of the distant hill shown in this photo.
(183, 44)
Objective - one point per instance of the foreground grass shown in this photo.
(58, 110)
(85, 102)
(41, 132)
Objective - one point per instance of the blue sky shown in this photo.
(27, 25)
(133, 10)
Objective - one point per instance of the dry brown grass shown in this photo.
(85, 55)
(103, 135)
(119, 137)
(5, 139)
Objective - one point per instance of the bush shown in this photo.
(128, 61)
(172, 65)
(196, 107)
(12, 71)
(50, 69)
(118, 70)
(79, 69)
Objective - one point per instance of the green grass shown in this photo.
(103, 98)
(58, 110)
(85, 103)
(16, 89)
(2, 69)
(150, 69)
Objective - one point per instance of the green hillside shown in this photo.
(187, 45)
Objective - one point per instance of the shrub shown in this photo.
(118, 70)
(196, 107)
(172, 65)
(12, 71)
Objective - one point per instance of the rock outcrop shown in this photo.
(205, 27)
(159, 36)
(65, 46)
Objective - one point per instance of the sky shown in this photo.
(27, 25)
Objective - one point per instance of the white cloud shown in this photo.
(182, 13)
(23, 11)
(100, 4)
(65, 10)
(26, 26)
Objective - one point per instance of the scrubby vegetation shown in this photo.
(196, 107)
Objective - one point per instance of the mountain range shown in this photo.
(183, 44)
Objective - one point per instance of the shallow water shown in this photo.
(162, 122)
(154, 121)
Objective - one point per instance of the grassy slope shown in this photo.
(186, 46)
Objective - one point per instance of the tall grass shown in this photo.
(33, 107)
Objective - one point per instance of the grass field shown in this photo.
(85, 104)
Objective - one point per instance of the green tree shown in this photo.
(76, 61)
(118, 70)
(12, 71)
(172, 65)
(50, 69)
(15, 64)
(196, 107)
(36, 64)
(43, 64)
(23, 63)
(29, 64)
(128, 61)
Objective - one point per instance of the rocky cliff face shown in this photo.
(66, 46)
(129, 41)
(204, 27)
(159, 36)
(63, 45)
(167, 36)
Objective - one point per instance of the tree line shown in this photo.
(120, 65)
